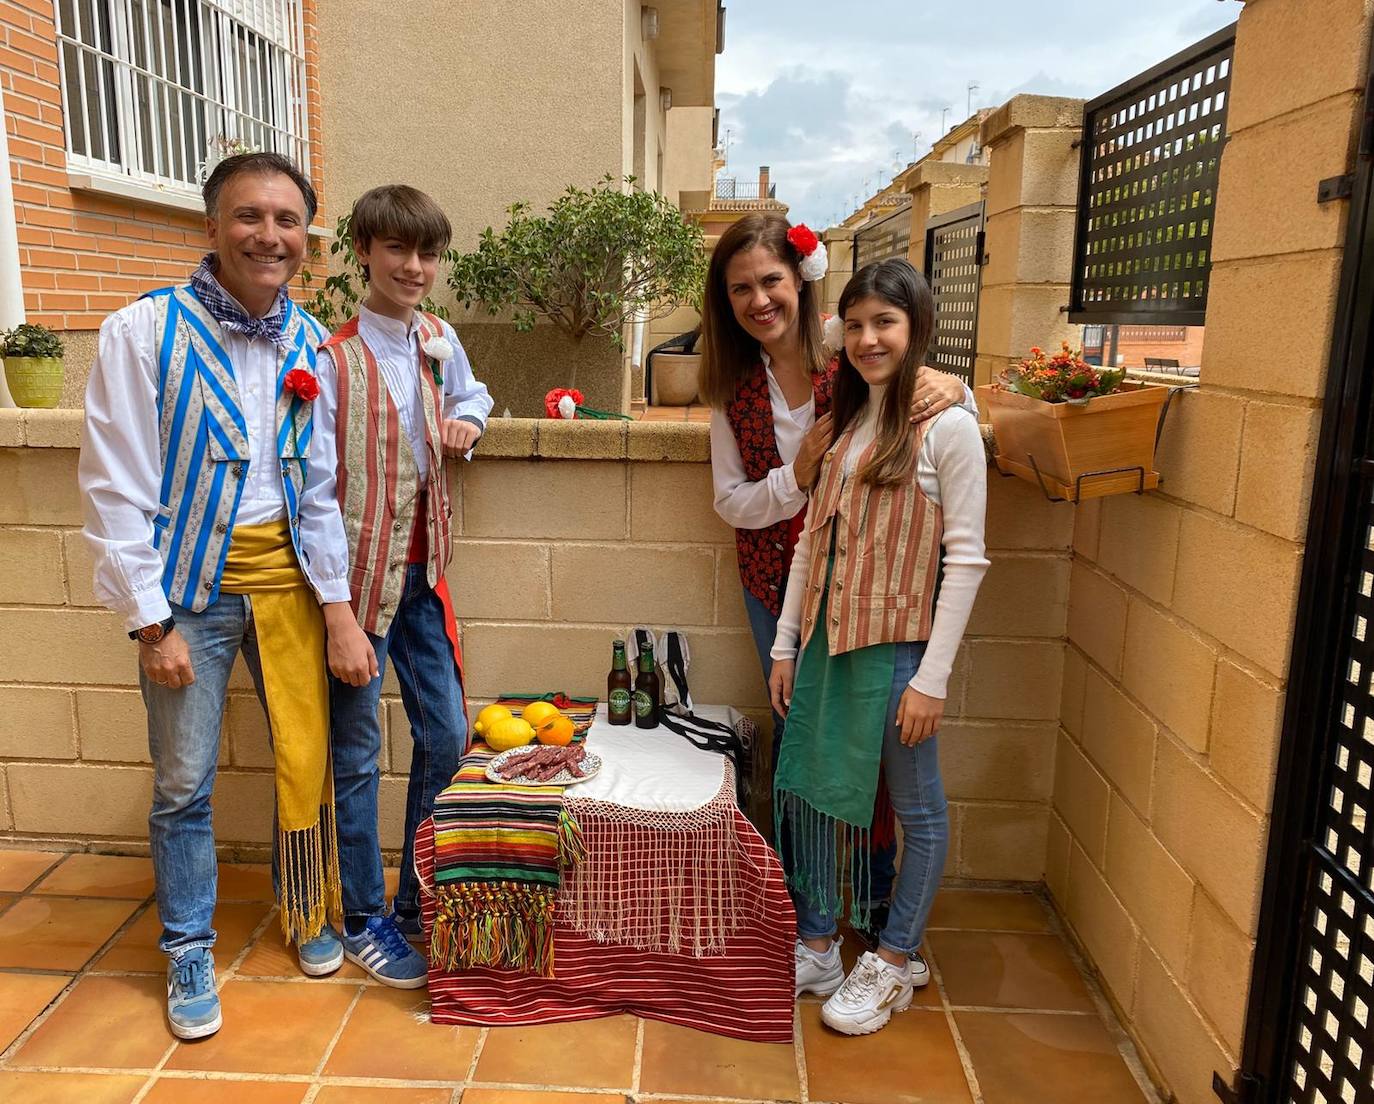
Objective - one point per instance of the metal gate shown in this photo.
(884, 238)
(954, 265)
(1309, 1035)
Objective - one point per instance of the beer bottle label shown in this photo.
(644, 704)
(620, 700)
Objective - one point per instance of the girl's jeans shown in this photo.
(918, 798)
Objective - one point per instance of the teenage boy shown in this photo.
(212, 536)
(405, 396)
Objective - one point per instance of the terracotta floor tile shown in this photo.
(371, 1094)
(518, 1096)
(592, 1054)
(105, 1022)
(1009, 971)
(272, 958)
(63, 1088)
(136, 950)
(50, 933)
(385, 1039)
(973, 909)
(269, 1027)
(22, 997)
(7, 899)
(245, 882)
(100, 876)
(913, 1060)
(1046, 1059)
(181, 1090)
(19, 869)
(697, 1063)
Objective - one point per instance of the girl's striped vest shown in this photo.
(378, 480)
(766, 554)
(204, 441)
(887, 554)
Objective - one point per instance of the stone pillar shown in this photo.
(936, 188)
(1032, 197)
(839, 241)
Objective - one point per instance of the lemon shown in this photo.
(536, 713)
(508, 732)
(488, 717)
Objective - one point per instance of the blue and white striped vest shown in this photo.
(204, 440)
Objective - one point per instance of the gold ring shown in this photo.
(927, 404)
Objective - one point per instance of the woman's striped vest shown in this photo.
(766, 554)
(204, 441)
(887, 554)
(378, 479)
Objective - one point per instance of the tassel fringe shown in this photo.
(500, 924)
(823, 850)
(311, 893)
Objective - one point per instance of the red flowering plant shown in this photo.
(302, 383)
(1060, 377)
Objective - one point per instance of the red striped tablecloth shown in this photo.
(745, 992)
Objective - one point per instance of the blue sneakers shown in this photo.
(383, 952)
(409, 926)
(322, 955)
(192, 1003)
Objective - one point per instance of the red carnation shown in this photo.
(802, 239)
(551, 400)
(302, 383)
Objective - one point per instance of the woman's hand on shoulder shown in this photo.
(918, 716)
(935, 392)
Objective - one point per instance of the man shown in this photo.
(212, 536)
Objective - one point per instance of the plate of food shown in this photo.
(544, 765)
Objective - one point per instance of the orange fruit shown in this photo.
(556, 730)
(537, 712)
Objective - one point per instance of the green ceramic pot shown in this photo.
(34, 382)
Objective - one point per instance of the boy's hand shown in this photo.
(780, 684)
(918, 716)
(459, 436)
(349, 651)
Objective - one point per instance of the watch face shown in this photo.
(151, 634)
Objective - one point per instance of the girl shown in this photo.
(767, 378)
(881, 586)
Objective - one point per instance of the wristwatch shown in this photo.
(151, 634)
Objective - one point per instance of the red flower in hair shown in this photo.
(302, 383)
(803, 240)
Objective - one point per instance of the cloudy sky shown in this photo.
(830, 95)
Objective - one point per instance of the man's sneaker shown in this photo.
(870, 994)
(192, 1003)
(322, 955)
(818, 973)
(383, 952)
(409, 926)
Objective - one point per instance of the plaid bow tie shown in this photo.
(228, 313)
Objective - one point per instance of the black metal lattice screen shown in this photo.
(887, 237)
(954, 250)
(1147, 191)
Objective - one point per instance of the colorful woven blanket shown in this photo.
(499, 850)
(581, 711)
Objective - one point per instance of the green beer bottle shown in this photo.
(646, 696)
(619, 708)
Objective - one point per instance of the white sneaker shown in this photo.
(818, 973)
(870, 994)
(920, 972)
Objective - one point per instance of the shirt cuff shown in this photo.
(147, 607)
(789, 483)
(474, 419)
(930, 686)
(332, 590)
(782, 652)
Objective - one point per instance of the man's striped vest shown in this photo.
(204, 440)
(378, 480)
(887, 554)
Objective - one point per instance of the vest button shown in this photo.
(238, 471)
(778, 545)
(771, 587)
(295, 523)
(220, 527)
(396, 528)
(207, 586)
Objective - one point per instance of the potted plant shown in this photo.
(1076, 430)
(675, 370)
(33, 365)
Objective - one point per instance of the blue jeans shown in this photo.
(183, 743)
(433, 695)
(918, 798)
(882, 860)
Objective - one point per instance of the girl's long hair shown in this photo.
(899, 285)
(729, 353)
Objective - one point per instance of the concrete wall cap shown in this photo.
(1030, 112)
(59, 428)
(930, 173)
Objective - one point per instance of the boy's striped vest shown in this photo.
(887, 554)
(378, 479)
(204, 440)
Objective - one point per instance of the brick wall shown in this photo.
(567, 534)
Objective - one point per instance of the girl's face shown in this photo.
(876, 334)
(764, 292)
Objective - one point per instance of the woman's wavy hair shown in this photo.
(729, 353)
(896, 283)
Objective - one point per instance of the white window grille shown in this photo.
(157, 91)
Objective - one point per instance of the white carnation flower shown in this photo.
(439, 348)
(815, 263)
(566, 407)
(832, 333)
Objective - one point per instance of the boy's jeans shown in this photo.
(918, 798)
(183, 742)
(433, 695)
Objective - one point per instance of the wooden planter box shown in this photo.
(1104, 447)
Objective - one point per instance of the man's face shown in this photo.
(258, 232)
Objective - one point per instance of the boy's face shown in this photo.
(400, 275)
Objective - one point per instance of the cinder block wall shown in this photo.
(1182, 602)
(567, 534)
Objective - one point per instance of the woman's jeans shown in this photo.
(418, 645)
(918, 798)
(882, 859)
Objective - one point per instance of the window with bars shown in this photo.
(157, 91)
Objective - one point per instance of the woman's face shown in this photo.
(764, 293)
